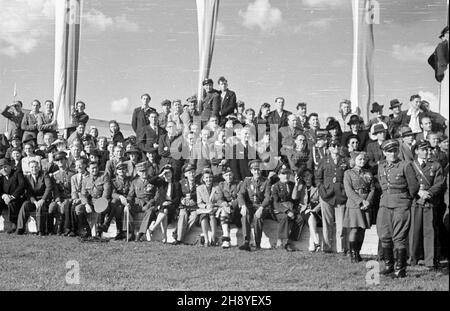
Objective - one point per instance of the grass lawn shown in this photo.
(39, 263)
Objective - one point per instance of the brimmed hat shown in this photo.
(354, 119)
(208, 81)
(406, 131)
(4, 161)
(188, 168)
(333, 124)
(378, 128)
(60, 155)
(376, 107)
(389, 145)
(28, 137)
(166, 102)
(395, 103)
(133, 149)
(254, 164)
(351, 136)
(166, 167)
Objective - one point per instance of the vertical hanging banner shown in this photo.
(207, 13)
(365, 15)
(67, 43)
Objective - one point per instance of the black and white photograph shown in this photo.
(224, 151)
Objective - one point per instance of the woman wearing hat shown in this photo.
(360, 189)
(377, 110)
(334, 129)
(208, 197)
(356, 123)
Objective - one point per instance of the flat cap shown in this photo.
(395, 103)
(208, 81)
(389, 145)
(254, 164)
(406, 131)
(133, 149)
(188, 168)
(166, 167)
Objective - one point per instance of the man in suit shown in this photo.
(139, 119)
(254, 204)
(287, 134)
(60, 206)
(227, 100)
(134, 154)
(152, 132)
(210, 104)
(355, 125)
(39, 188)
(202, 154)
(162, 118)
(243, 152)
(12, 192)
(71, 221)
(279, 115)
(168, 146)
(377, 109)
(329, 179)
(406, 145)
(302, 115)
(29, 124)
(426, 125)
(424, 225)
(414, 114)
(396, 119)
(45, 122)
(110, 168)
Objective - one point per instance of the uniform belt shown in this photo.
(396, 191)
(362, 191)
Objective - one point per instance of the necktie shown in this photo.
(422, 164)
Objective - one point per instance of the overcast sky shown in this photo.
(299, 49)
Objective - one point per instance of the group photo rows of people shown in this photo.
(213, 162)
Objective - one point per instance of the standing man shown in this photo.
(302, 115)
(330, 182)
(254, 204)
(406, 145)
(139, 120)
(374, 152)
(210, 104)
(39, 188)
(413, 114)
(279, 115)
(311, 131)
(287, 134)
(424, 227)
(12, 192)
(396, 118)
(60, 206)
(29, 124)
(45, 123)
(120, 189)
(162, 118)
(399, 186)
(227, 101)
(14, 113)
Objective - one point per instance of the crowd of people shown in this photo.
(211, 161)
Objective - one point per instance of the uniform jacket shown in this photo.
(316, 154)
(186, 188)
(282, 193)
(330, 178)
(94, 188)
(131, 169)
(75, 185)
(120, 186)
(255, 193)
(229, 192)
(62, 185)
(41, 189)
(398, 182)
(431, 179)
(298, 159)
(375, 154)
(359, 185)
(141, 191)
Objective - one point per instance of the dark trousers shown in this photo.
(424, 234)
(13, 208)
(393, 226)
(258, 223)
(61, 213)
(41, 216)
(289, 228)
(117, 214)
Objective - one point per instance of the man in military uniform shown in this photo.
(120, 189)
(139, 196)
(283, 207)
(254, 203)
(62, 200)
(329, 179)
(424, 223)
(399, 186)
(71, 222)
(188, 207)
(228, 193)
(94, 187)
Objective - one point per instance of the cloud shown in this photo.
(321, 23)
(323, 3)
(418, 52)
(431, 98)
(261, 14)
(98, 21)
(23, 24)
(220, 29)
(121, 106)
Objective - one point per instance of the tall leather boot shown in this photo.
(400, 266)
(60, 224)
(83, 226)
(119, 226)
(357, 250)
(351, 251)
(388, 255)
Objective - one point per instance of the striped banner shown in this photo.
(207, 13)
(362, 89)
(67, 44)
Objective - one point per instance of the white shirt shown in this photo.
(414, 123)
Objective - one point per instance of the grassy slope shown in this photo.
(33, 263)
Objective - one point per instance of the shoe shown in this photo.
(72, 234)
(245, 247)
(139, 237)
(202, 240)
(20, 231)
(226, 244)
(258, 247)
(131, 237)
(12, 230)
(290, 248)
(317, 248)
(119, 236)
(176, 242)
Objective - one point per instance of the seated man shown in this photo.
(60, 206)
(11, 191)
(283, 207)
(254, 203)
(94, 187)
(120, 189)
(39, 194)
(71, 223)
(228, 189)
(188, 207)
